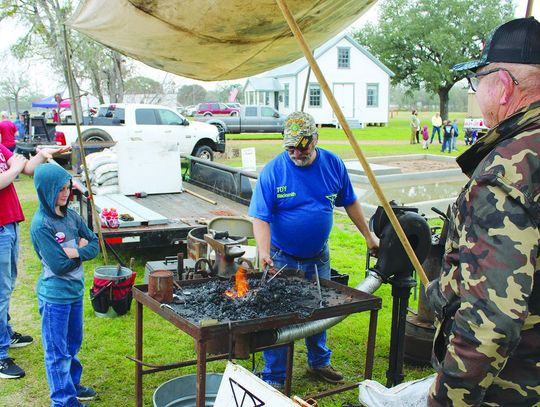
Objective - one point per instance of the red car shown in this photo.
(216, 108)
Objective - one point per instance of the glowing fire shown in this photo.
(241, 285)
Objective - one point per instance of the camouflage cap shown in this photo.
(298, 126)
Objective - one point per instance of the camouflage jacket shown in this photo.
(487, 300)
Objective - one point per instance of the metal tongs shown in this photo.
(265, 271)
(318, 286)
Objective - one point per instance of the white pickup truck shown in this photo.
(116, 122)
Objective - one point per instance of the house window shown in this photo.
(314, 96)
(267, 98)
(286, 95)
(343, 59)
(372, 95)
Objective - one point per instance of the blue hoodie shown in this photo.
(62, 279)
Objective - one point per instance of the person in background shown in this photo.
(11, 165)
(8, 131)
(436, 123)
(415, 127)
(486, 350)
(448, 134)
(425, 138)
(293, 206)
(455, 136)
(55, 116)
(19, 123)
(62, 242)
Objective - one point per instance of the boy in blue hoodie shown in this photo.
(62, 242)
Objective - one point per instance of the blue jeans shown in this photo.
(318, 355)
(447, 144)
(62, 334)
(9, 253)
(438, 130)
(454, 142)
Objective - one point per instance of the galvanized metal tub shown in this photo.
(182, 391)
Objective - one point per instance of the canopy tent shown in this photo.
(212, 40)
(49, 102)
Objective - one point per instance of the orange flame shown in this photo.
(241, 285)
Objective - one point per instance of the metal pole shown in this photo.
(341, 118)
(75, 110)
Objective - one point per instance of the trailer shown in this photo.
(164, 220)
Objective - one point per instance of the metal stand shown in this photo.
(401, 291)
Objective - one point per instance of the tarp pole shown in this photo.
(530, 4)
(75, 109)
(341, 118)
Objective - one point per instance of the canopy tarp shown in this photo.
(212, 40)
(49, 102)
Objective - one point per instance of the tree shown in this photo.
(13, 86)
(142, 84)
(191, 95)
(420, 40)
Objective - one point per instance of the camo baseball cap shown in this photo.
(299, 129)
(517, 41)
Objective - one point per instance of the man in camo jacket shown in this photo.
(487, 300)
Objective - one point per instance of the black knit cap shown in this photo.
(517, 41)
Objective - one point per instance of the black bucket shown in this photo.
(182, 391)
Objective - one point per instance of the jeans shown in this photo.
(438, 130)
(447, 144)
(9, 253)
(454, 142)
(62, 334)
(318, 355)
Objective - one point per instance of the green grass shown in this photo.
(108, 341)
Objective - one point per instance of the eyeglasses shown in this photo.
(474, 80)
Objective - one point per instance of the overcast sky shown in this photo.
(45, 82)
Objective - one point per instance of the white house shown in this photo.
(359, 81)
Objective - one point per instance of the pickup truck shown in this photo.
(147, 122)
(252, 119)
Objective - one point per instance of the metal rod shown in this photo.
(201, 373)
(318, 285)
(75, 110)
(288, 376)
(333, 391)
(370, 352)
(160, 368)
(138, 354)
(277, 272)
(354, 144)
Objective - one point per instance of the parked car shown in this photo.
(252, 119)
(234, 105)
(151, 123)
(216, 108)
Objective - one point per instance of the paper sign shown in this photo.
(249, 159)
(241, 388)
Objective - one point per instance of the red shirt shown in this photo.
(7, 131)
(10, 207)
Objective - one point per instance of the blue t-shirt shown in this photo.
(298, 202)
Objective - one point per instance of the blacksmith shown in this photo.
(293, 207)
(487, 300)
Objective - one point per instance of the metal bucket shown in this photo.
(112, 272)
(182, 391)
(197, 246)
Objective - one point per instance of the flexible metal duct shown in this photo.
(293, 332)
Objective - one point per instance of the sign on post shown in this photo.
(241, 388)
(249, 159)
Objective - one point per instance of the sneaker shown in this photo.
(9, 370)
(328, 374)
(20, 341)
(85, 393)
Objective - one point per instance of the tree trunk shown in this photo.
(443, 102)
(115, 81)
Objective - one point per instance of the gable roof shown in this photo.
(264, 84)
(297, 66)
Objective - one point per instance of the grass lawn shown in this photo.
(108, 341)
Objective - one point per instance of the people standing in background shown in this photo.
(448, 134)
(55, 116)
(425, 137)
(455, 136)
(19, 123)
(8, 132)
(436, 122)
(415, 127)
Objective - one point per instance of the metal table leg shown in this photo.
(201, 373)
(138, 353)
(370, 351)
(288, 377)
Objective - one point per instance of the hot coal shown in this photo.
(280, 296)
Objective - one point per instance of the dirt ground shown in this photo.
(420, 165)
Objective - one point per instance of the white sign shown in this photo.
(249, 159)
(241, 388)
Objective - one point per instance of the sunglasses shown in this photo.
(474, 78)
(303, 145)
